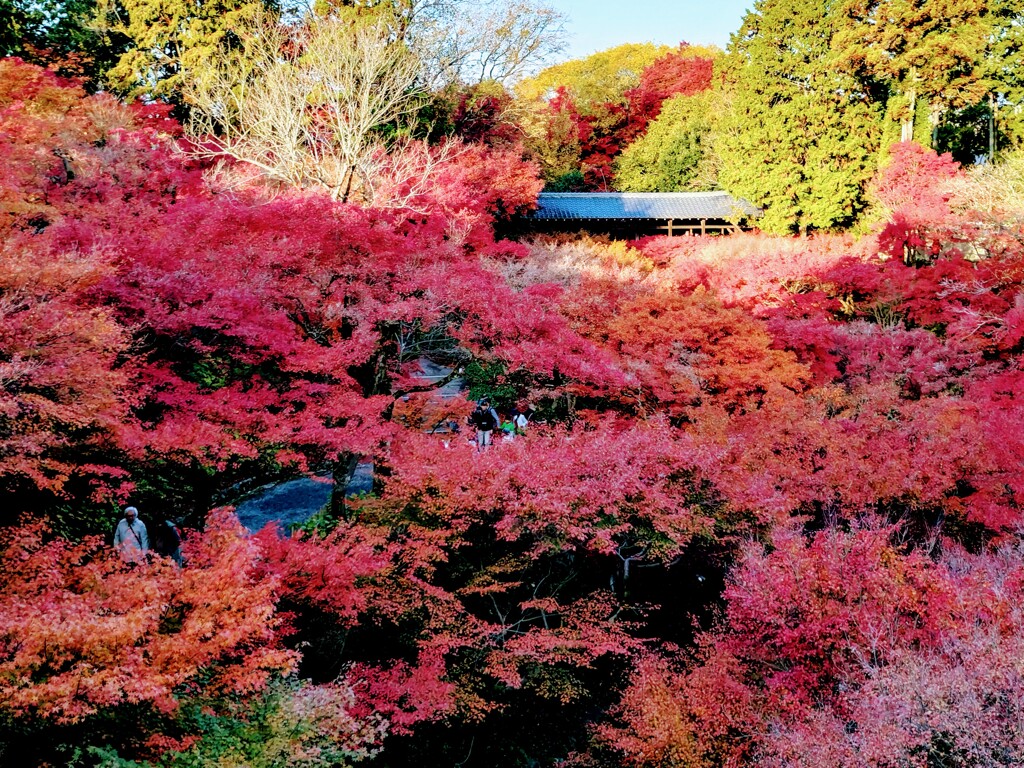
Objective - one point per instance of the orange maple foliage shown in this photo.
(82, 631)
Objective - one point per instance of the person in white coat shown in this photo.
(131, 538)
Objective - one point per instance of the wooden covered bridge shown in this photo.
(636, 214)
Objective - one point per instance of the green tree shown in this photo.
(802, 134)
(59, 34)
(400, 15)
(926, 55)
(1004, 73)
(674, 154)
(170, 37)
(13, 23)
(552, 134)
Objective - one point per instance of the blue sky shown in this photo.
(595, 25)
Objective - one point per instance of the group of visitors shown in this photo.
(131, 538)
(486, 421)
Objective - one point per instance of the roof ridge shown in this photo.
(695, 206)
(638, 194)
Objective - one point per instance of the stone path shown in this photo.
(434, 372)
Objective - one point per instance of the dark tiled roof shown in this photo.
(641, 205)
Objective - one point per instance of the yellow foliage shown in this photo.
(600, 77)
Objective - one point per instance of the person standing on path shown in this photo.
(131, 538)
(485, 419)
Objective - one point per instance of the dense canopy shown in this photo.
(757, 499)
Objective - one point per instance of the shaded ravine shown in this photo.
(295, 501)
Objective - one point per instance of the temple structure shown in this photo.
(635, 214)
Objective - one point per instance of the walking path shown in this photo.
(295, 501)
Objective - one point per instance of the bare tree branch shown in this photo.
(501, 40)
(304, 105)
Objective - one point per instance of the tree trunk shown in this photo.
(907, 125)
(342, 472)
(935, 117)
(347, 184)
(991, 128)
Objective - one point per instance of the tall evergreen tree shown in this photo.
(1005, 74)
(802, 134)
(927, 55)
(169, 37)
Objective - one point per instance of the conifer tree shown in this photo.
(169, 37)
(925, 54)
(802, 134)
(1004, 73)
